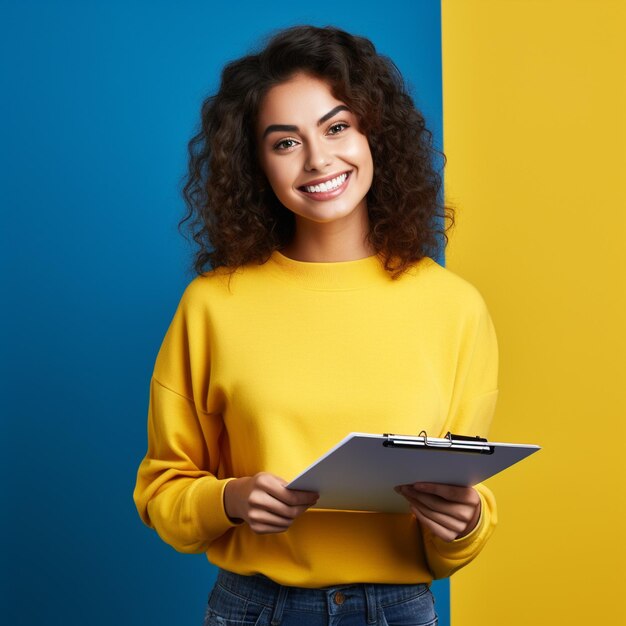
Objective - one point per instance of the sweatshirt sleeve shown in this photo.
(471, 412)
(178, 492)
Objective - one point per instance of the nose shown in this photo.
(317, 156)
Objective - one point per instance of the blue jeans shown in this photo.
(257, 601)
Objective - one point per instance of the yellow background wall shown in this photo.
(535, 135)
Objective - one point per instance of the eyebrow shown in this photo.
(294, 129)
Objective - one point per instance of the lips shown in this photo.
(332, 187)
(330, 181)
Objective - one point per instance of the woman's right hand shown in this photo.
(264, 503)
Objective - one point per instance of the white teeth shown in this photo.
(328, 185)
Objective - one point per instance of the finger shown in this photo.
(458, 510)
(437, 529)
(448, 522)
(454, 493)
(264, 501)
(294, 497)
(467, 515)
(265, 529)
(275, 486)
(260, 517)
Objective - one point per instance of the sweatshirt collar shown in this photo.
(332, 276)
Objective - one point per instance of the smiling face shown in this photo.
(316, 160)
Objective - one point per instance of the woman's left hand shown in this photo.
(449, 512)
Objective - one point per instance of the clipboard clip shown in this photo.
(456, 443)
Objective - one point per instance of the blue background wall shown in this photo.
(99, 100)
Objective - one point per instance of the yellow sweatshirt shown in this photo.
(267, 369)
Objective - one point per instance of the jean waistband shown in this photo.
(335, 599)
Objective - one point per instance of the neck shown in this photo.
(329, 242)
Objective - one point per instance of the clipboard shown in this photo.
(360, 472)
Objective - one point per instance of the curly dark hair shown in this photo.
(233, 214)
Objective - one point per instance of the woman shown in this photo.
(313, 196)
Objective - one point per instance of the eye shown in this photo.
(337, 128)
(284, 144)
